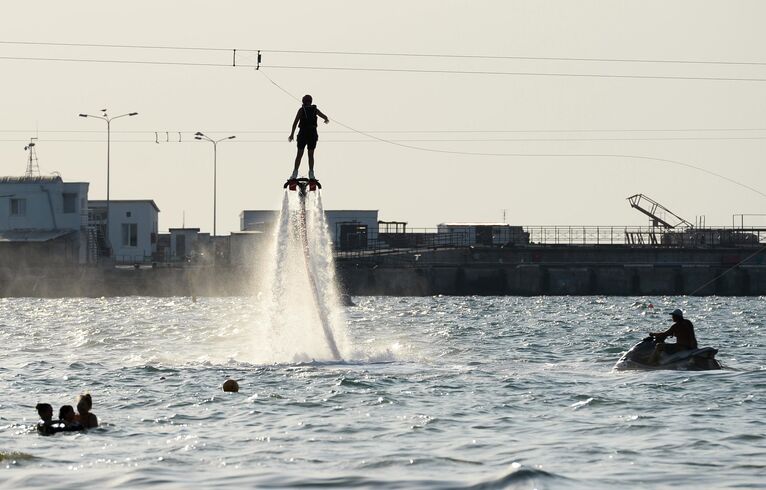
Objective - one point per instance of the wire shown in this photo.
(384, 70)
(133, 62)
(127, 46)
(512, 73)
(727, 271)
(412, 140)
(522, 58)
(400, 131)
(527, 155)
(401, 55)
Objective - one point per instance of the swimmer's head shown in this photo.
(66, 413)
(45, 411)
(84, 403)
(231, 386)
(307, 99)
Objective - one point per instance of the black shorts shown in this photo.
(307, 138)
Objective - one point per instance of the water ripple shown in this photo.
(441, 392)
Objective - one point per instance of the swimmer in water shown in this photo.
(45, 426)
(87, 419)
(68, 419)
(230, 386)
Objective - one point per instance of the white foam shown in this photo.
(293, 325)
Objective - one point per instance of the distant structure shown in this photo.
(663, 222)
(491, 234)
(350, 229)
(659, 214)
(33, 167)
(132, 230)
(43, 221)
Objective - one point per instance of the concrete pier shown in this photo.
(566, 270)
(523, 271)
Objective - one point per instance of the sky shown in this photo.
(530, 137)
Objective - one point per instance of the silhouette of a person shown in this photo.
(306, 119)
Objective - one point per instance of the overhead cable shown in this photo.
(529, 155)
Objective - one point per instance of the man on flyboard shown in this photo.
(306, 119)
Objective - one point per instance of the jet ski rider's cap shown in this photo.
(677, 313)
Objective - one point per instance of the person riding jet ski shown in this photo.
(682, 329)
(652, 353)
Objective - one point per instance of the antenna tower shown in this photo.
(33, 167)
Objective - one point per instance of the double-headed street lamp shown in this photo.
(201, 136)
(105, 117)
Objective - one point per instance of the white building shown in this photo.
(45, 209)
(348, 228)
(132, 228)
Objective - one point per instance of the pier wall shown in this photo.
(557, 280)
(525, 271)
(530, 271)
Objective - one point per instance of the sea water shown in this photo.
(437, 392)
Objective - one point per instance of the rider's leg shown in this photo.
(655, 357)
(311, 163)
(298, 158)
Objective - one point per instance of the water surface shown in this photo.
(437, 392)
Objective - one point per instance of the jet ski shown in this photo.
(639, 357)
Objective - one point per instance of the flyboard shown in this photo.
(303, 186)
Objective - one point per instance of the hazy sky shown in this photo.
(471, 112)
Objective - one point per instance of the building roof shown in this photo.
(32, 235)
(183, 229)
(102, 202)
(31, 180)
(474, 224)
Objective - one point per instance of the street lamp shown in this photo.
(201, 136)
(105, 117)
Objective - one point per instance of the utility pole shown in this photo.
(201, 136)
(105, 117)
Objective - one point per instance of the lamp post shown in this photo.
(105, 117)
(201, 136)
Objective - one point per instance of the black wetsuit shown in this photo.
(307, 135)
(683, 331)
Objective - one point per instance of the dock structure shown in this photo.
(564, 260)
(670, 256)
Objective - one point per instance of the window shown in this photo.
(18, 207)
(70, 202)
(129, 235)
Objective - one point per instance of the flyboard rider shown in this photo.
(306, 119)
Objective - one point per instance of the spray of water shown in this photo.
(301, 315)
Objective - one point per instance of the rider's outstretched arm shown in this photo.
(663, 335)
(295, 124)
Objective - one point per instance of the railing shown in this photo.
(635, 236)
(412, 240)
(645, 236)
(594, 235)
(415, 241)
